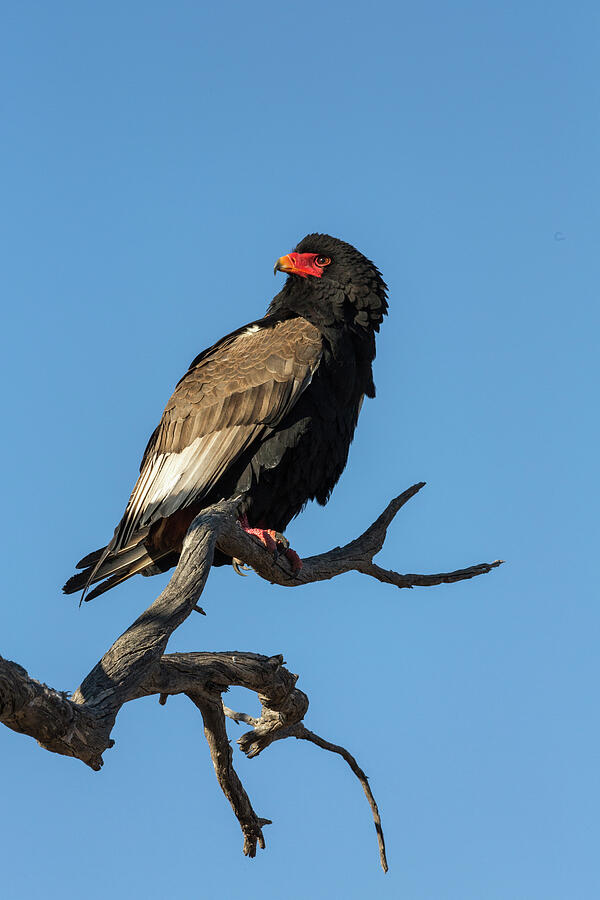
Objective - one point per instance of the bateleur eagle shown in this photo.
(267, 414)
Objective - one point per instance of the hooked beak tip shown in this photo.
(284, 264)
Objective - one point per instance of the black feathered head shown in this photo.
(331, 282)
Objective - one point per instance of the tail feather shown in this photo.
(119, 561)
(118, 577)
(109, 567)
(76, 582)
(91, 559)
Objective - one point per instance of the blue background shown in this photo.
(156, 159)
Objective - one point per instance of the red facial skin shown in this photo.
(303, 264)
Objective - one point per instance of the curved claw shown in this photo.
(239, 567)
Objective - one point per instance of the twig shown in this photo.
(302, 733)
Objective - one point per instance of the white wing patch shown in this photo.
(171, 480)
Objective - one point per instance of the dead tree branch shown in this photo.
(136, 664)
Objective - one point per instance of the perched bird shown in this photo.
(267, 414)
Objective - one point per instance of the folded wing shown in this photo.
(233, 392)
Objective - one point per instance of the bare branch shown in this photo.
(238, 717)
(220, 751)
(252, 743)
(124, 668)
(31, 707)
(410, 581)
(301, 732)
(356, 556)
(136, 664)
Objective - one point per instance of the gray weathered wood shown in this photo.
(136, 665)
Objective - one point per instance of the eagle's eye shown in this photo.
(322, 261)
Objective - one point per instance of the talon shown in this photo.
(241, 568)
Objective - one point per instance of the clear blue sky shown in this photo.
(156, 159)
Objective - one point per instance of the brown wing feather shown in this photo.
(218, 409)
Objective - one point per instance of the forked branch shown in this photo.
(136, 664)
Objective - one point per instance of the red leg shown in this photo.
(272, 541)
